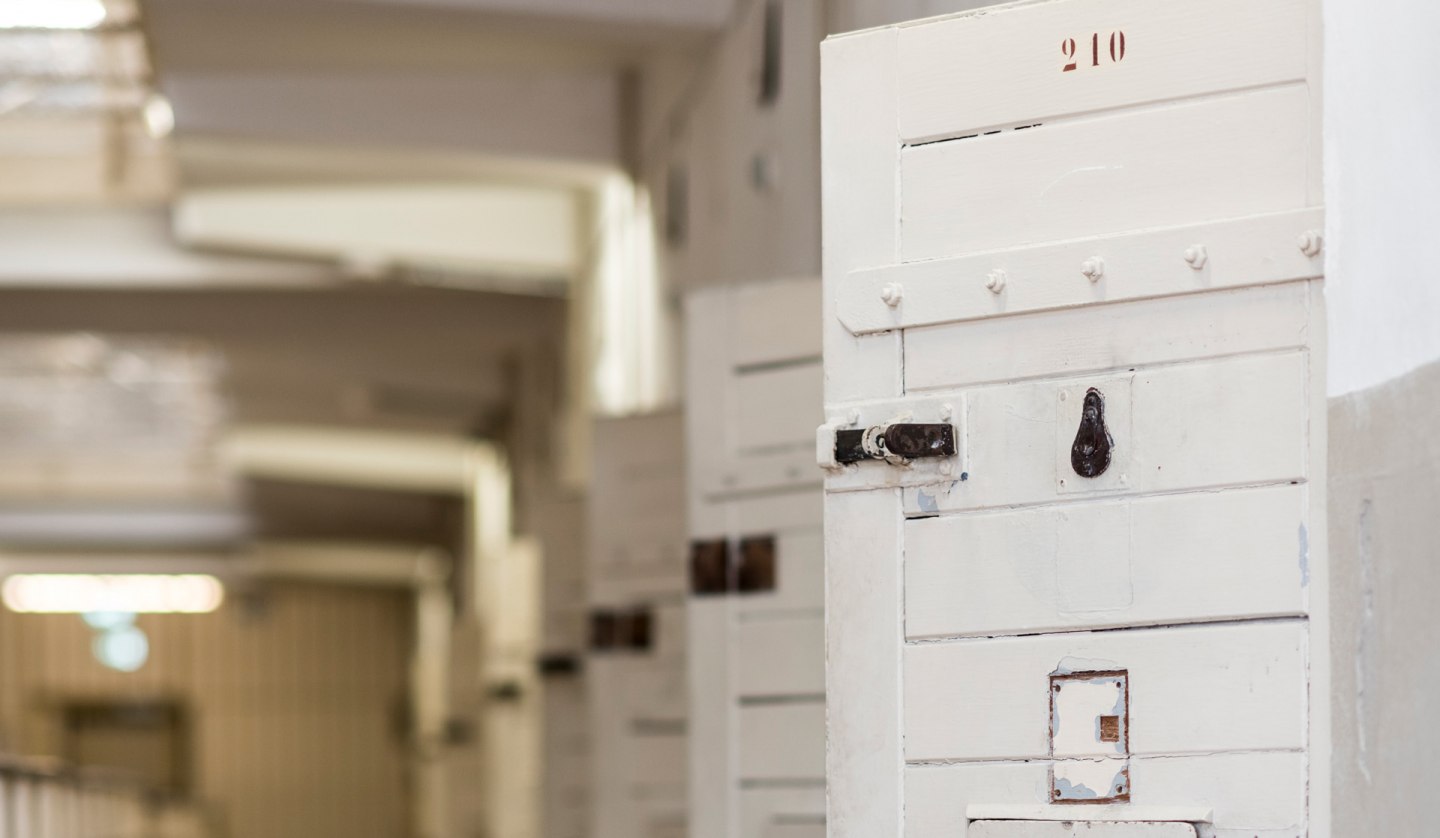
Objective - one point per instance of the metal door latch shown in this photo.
(896, 443)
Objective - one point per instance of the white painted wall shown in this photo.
(1382, 189)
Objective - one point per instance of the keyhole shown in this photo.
(1090, 455)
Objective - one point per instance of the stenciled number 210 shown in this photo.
(1117, 49)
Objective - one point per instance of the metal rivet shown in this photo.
(995, 280)
(891, 294)
(1093, 268)
(1195, 256)
(1310, 242)
(947, 410)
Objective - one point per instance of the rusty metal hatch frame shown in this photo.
(1057, 682)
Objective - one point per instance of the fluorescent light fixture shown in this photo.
(51, 14)
(78, 593)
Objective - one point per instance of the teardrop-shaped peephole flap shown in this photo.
(1090, 455)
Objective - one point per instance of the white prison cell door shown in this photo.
(635, 669)
(1074, 434)
(756, 619)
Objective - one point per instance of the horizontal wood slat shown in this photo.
(1197, 689)
(1123, 562)
(1246, 795)
(1003, 67)
(1188, 163)
(1234, 421)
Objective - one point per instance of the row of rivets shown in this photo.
(1310, 243)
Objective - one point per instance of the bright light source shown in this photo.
(51, 14)
(159, 116)
(72, 593)
(124, 649)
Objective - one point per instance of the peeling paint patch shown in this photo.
(1070, 665)
(926, 502)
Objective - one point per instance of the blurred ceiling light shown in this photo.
(51, 14)
(123, 649)
(159, 116)
(66, 593)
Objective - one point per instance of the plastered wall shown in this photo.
(1382, 189)
(1382, 176)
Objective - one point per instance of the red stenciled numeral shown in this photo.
(1117, 50)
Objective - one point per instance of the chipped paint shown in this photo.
(1070, 665)
(1089, 735)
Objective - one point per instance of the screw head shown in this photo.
(1195, 256)
(891, 294)
(1310, 242)
(1093, 268)
(995, 280)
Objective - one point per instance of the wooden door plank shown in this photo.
(1246, 794)
(1238, 155)
(1078, 341)
(1126, 562)
(1171, 52)
(780, 658)
(1196, 689)
(1184, 427)
(784, 741)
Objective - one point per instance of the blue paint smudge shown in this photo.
(1304, 556)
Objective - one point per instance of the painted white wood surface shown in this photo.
(1230, 422)
(784, 741)
(712, 718)
(1066, 343)
(637, 514)
(781, 657)
(638, 698)
(1080, 829)
(761, 398)
(1258, 250)
(1210, 374)
(803, 808)
(1239, 155)
(860, 187)
(1123, 562)
(800, 587)
(771, 404)
(756, 657)
(1189, 50)
(1246, 794)
(774, 322)
(1192, 690)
